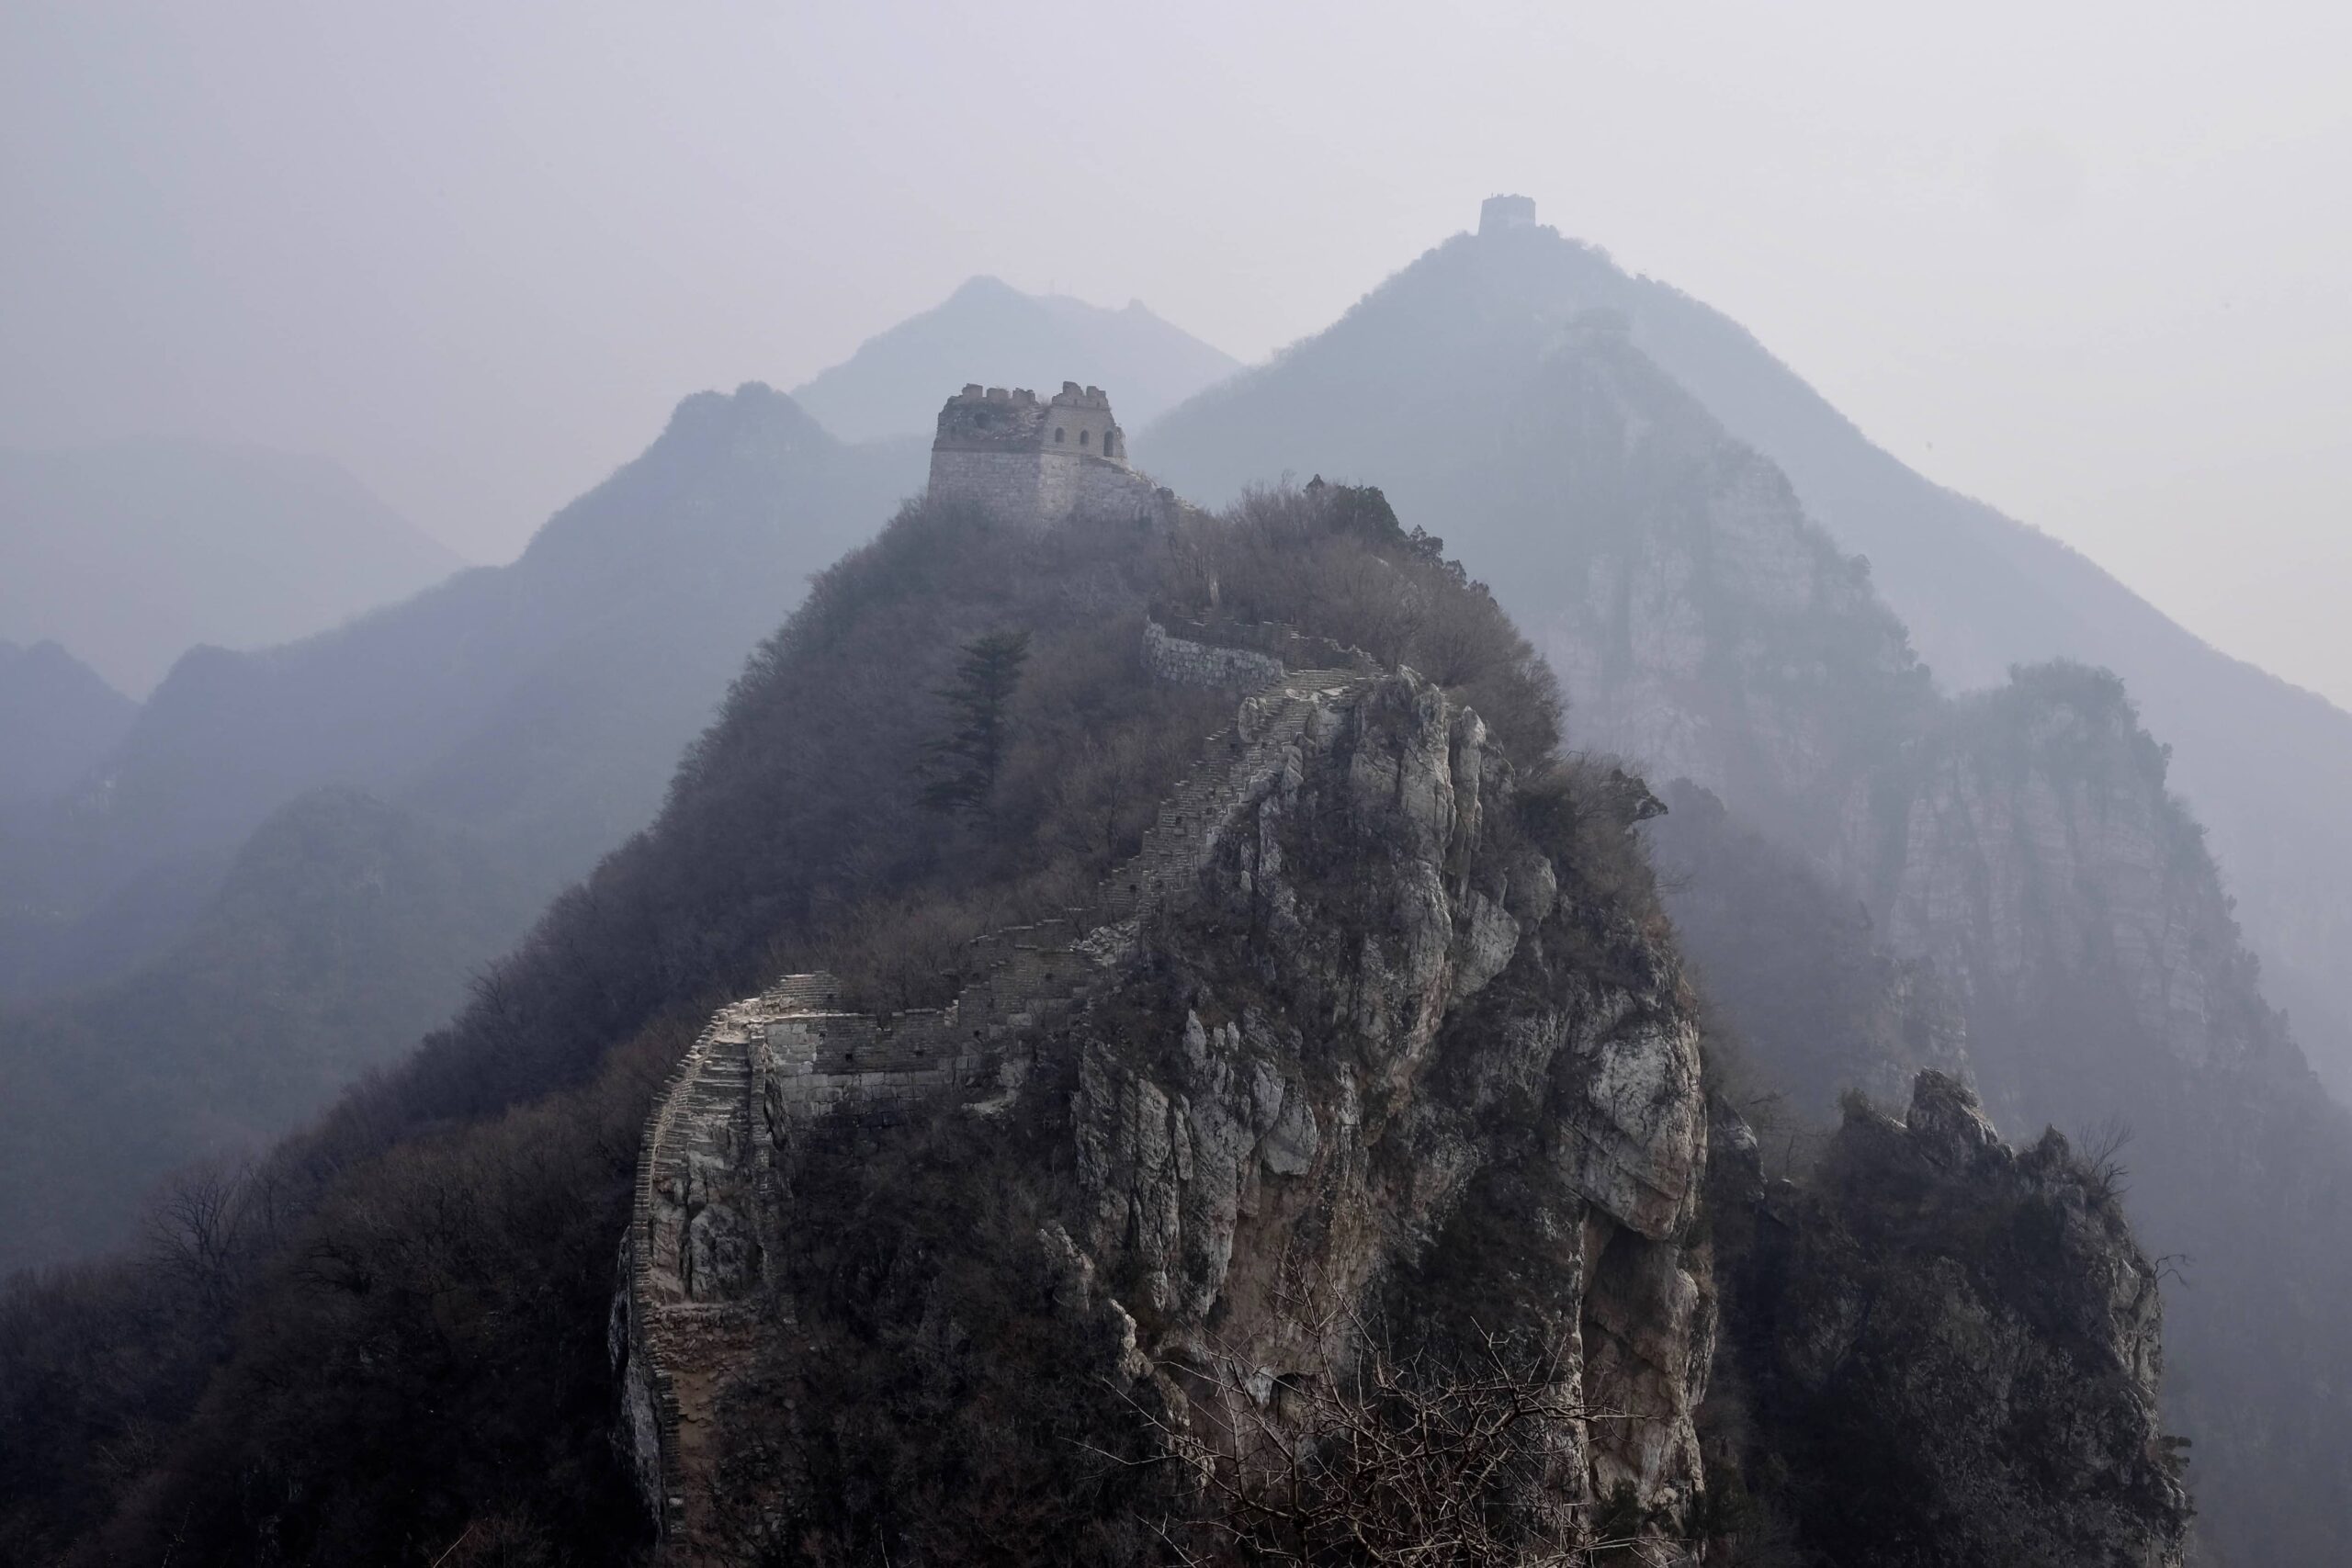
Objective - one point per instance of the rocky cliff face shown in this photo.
(2032, 849)
(1338, 1165)
(1391, 1021)
(2031, 844)
(1398, 1070)
(2018, 853)
(1948, 1350)
(1802, 992)
(1393, 1104)
(1703, 627)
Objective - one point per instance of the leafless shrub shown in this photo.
(2099, 1156)
(1392, 1459)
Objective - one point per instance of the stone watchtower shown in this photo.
(1036, 462)
(1499, 214)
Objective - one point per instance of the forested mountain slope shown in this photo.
(523, 719)
(1415, 1056)
(541, 702)
(1419, 385)
(344, 930)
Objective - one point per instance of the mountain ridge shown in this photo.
(534, 712)
(1977, 590)
(1388, 1036)
(987, 327)
(59, 717)
(134, 551)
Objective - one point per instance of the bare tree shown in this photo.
(196, 1228)
(2099, 1154)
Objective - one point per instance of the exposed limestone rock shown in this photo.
(1429, 1059)
(2018, 897)
(1725, 639)
(2034, 837)
(1324, 1057)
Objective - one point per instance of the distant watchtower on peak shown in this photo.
(1498, 213)
(1035, 461)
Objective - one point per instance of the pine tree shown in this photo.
(962, 765)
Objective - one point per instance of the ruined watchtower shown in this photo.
(1036, 461)
(1498, 214)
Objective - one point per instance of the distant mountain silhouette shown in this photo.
(133, 553)
(344, 930)
(1897, 876)
(1416, 390)
(543, 701)
(989, 332)
(57, 717)
(223, 872)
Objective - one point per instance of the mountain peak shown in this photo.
(130, 552)
(754, 406)
(990, 332)
(983, 286)
(60, 718)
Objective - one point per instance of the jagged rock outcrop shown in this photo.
(1376, 1057)
(1370, 1086)
(1811, 998)
(1374, 1045)
(2030, 842)
(1949, 1351)
(1429, 1046)
(2013, 859)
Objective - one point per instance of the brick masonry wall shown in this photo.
(1004, 485)
(1111, 493)
(1040, 490)
(1182, 663)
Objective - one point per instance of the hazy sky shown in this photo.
(2087, 264)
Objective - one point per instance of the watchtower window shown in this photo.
(1058, 433)
(1082, 435)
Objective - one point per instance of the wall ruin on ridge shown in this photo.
(1034, 462)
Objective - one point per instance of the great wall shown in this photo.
(1036, 462)
(769, 1073)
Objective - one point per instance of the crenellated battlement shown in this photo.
(1036, 461)
(1501, 214)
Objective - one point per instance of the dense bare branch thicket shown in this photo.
(1390, 1460)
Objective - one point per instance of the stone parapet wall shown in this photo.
(1182, 663)
(991, 418)
(1040, 490)
(1002, 485)
(1297, 649)
(1246, 656)
(650, 1253)
(1102, 492)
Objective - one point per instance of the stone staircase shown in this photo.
(769, 1071)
